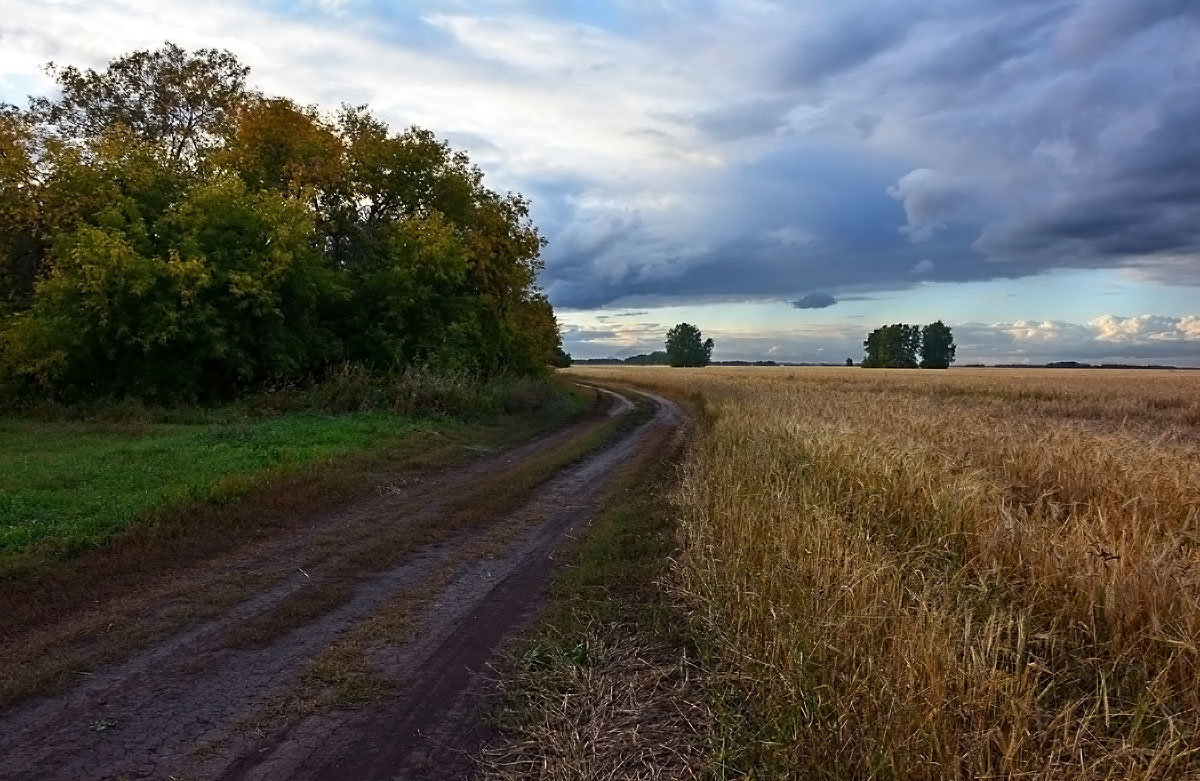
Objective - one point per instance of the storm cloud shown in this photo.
(814, 301)
(683, 154)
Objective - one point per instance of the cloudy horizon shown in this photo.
(785, 177)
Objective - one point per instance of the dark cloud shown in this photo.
(620, 315)
(1097, 26)
(1139, 205)
(814, 301)
(1023, 159)
(702, 152)
(847, 41)
(741, 120)
(981, 49)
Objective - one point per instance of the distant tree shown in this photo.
(686, 346)
(561, 359)
(656, 358)
(937, 346)
(849, 361)
(893, 347)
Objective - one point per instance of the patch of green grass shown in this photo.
(66, 486)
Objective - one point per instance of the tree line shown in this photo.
(169, 233)
(897, 346)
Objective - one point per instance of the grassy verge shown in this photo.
(601, 688)
(70, 485)
(42, 586)
(122, 577)
(67, 486)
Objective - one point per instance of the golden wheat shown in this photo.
(967, 573)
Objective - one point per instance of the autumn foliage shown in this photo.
(167, 233)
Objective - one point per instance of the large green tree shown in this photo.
(893, 347)
(21, 239)
(183, 100)
(686, 346)
(168, 233)
(937, 346)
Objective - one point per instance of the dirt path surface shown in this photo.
(364, 654)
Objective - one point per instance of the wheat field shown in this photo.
(974, 573)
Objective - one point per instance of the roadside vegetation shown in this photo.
(72, 600)
(602, 687)
(74, 478)
(206, 290)
(965, 574)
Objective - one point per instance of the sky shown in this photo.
(785, 175)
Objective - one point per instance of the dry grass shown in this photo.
(604, 688)
(973, 573)
(625, 713)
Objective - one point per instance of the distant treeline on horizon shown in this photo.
(653, 359)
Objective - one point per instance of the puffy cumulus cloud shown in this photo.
(1108, 338)
(1147, 328)
(665, 144)
(814, 301)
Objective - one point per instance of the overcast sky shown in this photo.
(786, 175)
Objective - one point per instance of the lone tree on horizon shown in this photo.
(686, 346)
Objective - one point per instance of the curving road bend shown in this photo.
(196, 706)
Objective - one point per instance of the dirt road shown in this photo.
(365, 654)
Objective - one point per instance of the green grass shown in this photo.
(67, 486)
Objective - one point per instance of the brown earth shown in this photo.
(355, 646)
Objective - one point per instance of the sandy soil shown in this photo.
(201, 704)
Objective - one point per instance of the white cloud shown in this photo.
(924, 266)
(931, 200)
(1146, 328)
(334, 6)
(1107, 338)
